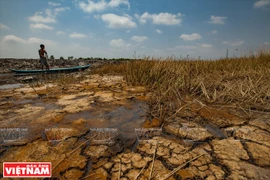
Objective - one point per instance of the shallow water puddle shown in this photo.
(122, 118)
(37, 116)
(36, 103)
(46, 105)
(10, 86)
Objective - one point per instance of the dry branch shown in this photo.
(153, 161)
(181, 166)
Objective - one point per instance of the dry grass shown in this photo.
(240, 81)
(63, 79)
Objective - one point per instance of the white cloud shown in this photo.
(61, 9)
(77, 35)
(234, 43)
(116, 3)
(191, 47)
(206, 45)
(161, 18)
(12, 38)
(137, 16)
(92, 6)
(217, 20)
(101, 5)
(54, 4)
(9, 49)
(60, 33)
(48, 17)
(158, 31)
(38, 18)
(139, 38)
(32, 40)
(119, 43)
(193, 51)
(128, 16)
(2, 26)
(185, 47)
(261, 3)
(91, 35)
(214, 32)
(190, 37)
(40, 26)
(115, 21)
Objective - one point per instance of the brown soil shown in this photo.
(202, 142)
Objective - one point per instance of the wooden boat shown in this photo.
(56, 70)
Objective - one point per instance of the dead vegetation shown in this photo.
(239, 82)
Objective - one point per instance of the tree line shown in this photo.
(87, 58)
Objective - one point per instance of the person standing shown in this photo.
(43, 60)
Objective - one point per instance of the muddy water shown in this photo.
(10, 86)
(12, 80)
(7, 79)
(125, 119)
(6, 75)
(39, 112)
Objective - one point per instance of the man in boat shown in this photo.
(43, 60)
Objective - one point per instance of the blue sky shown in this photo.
(118, 28)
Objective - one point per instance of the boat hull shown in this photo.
(57, 70)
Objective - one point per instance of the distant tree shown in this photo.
(70, 57)
(61, 57)
(80, 58)
(51, 57)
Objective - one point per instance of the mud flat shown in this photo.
(58, 122)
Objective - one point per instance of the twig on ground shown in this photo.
(154, 156)
(119, 175)
(138, 175)
(71, 153)
(181, 166)
(181, 108)
(248, 114)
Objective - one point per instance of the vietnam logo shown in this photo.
(27, 169)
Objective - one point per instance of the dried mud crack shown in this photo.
(203, 142)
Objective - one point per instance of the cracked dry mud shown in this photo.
(200, 143)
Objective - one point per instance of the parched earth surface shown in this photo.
(97, 127)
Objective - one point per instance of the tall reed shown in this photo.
(244, 81)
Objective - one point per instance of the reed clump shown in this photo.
(243, 81)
